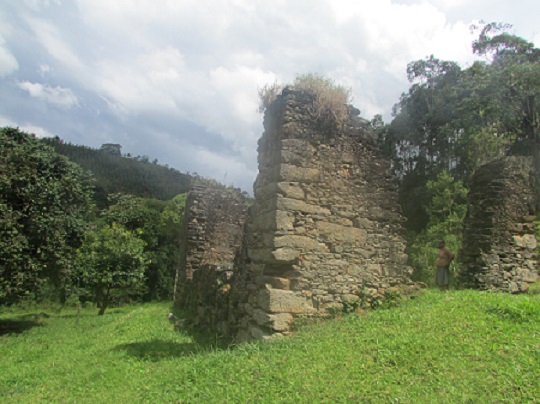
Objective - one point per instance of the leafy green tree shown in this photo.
(446, 211)
(111, 259)
(44, 201)
(159, 222)
(456, 120)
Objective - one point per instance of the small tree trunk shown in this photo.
(104, 302)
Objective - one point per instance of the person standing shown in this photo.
(444, 258)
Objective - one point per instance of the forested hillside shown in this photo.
(115, 173)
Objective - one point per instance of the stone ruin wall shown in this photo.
(499, 244)
(213, 228)
(324, 230)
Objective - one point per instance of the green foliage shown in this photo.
(117, 174)
(446, 213)
(44, 200)
(457, 119)
(111, 258)
(524, 310)
(448, 347)
(487, 145)
(160, 229)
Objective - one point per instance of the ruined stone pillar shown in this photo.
(325, 229)
(499, 244)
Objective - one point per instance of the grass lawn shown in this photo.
(459, 346)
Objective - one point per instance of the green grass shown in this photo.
(459, 346)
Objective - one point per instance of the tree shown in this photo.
(515, 63)
(456, 120)
(159, 222)
(111, 258)
(446, 211)
(44, 201)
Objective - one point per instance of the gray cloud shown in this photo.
(178, 80)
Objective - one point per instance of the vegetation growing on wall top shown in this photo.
(330, 99)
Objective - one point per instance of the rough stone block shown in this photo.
(275, 282)
(291, 190)
(527, 241)
(302, 243)
(291, 173)
(295, 205)
(338, 233)
(283, 301)
(281, 322)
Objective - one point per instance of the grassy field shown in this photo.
(459, 346)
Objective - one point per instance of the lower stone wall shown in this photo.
(499, 246)
(213, 227)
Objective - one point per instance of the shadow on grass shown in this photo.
(156, 349)
(20, 324)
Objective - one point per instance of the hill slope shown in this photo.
(459, 346)
(114, 173)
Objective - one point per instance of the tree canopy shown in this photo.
(44, 202)
(453, 120)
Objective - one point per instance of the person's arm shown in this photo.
(449, 254)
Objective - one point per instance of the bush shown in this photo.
(330, 99)
(268, 94)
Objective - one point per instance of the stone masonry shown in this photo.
(324, 232)
(213, 228)
(499, 244)
(325, 228)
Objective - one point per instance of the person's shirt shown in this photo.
(444, 258)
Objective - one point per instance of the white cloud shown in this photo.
(56, 43)
(159, 64)
(38, 5)
(25, 127)
(56, 95)
(8, 63)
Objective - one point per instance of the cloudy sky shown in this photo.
(177, 80)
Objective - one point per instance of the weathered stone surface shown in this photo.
(282, 301)
(527, 241)
(274, 220)
(281, 322)
(291, 190)
(499, 245)
(275, 282)
(289, 172)
(338, 233)
(295, 205)
(324, 229)
(302, 243)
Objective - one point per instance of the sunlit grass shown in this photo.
(459, 346)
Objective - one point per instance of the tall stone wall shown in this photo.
(213, 230)
(499, 245)
(325, 228)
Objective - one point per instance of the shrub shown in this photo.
(331, 99)
(268, 94)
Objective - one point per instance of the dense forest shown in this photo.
(450, 122)
(82, 224)
(115, 173)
